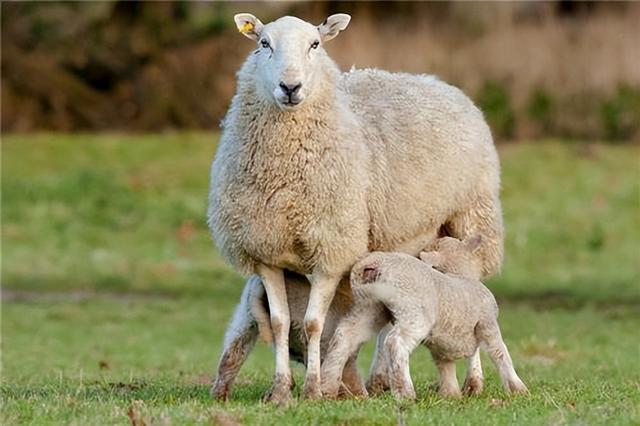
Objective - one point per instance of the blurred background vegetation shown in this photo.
(548, 69)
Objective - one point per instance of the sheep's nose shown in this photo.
(290, 89)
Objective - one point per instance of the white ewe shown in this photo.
(316, 167)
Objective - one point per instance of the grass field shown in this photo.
(115, 302)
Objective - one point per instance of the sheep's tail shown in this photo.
(259, 311)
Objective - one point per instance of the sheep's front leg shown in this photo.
(448, 385)
(323, 288)
(273, 281)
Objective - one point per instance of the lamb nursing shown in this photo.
(316, 167)
(450, 314)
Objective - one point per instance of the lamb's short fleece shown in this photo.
(450, 314)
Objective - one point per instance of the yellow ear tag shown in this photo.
(248, 26)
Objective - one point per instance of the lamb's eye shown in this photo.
(315, 44)
(265, 43)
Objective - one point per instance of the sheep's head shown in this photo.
(288, 55)
(450, 255)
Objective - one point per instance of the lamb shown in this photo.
(450, 314)
(316, 167)
(251, 318)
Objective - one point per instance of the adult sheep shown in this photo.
(317, 167)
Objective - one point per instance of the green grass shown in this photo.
(115, 302)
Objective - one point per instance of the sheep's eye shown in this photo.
(315, 44)
(265, 43)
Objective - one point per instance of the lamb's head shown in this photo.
(450, 255)
(289, 56)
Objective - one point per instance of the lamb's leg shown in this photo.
(273, 282)
(238, 341)
(491, 337)
(378, 380)
(474, 380)
(398, 347)
(323, 288)
(483, 217)
(448, 385)
(352, 331)
(354, 386)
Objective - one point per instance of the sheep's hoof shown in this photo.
(517, 387)
(280, 392)
(473, 386)
(312, 388)
(220, 391)
(449, 392)
(403, 393)
(330, 390)
(377, 385)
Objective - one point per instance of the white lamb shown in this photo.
(449, 313)
(315, 168)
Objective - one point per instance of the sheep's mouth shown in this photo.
(290, 103)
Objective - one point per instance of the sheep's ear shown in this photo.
(333, 25)
(431, 258)
(248, 25)
(473, 243)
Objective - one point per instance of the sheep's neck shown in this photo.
(281, 132)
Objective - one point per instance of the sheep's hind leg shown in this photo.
(353, 385)
(323, 289)
(492, 339)
(398, 347)
(239, 339)
(352, 331)
(474, 380)
(274, 285)
(378, 381)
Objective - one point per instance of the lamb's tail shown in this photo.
(259, 310)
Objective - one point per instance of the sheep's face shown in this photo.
(289, 53)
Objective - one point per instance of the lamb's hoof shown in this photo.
(377, 385)
(473, 386)
(517, 387)
(280, 392)
(312, 389)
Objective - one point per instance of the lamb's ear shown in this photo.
(333, 25)
(248, 25)
(473, 243)
(431, 258)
